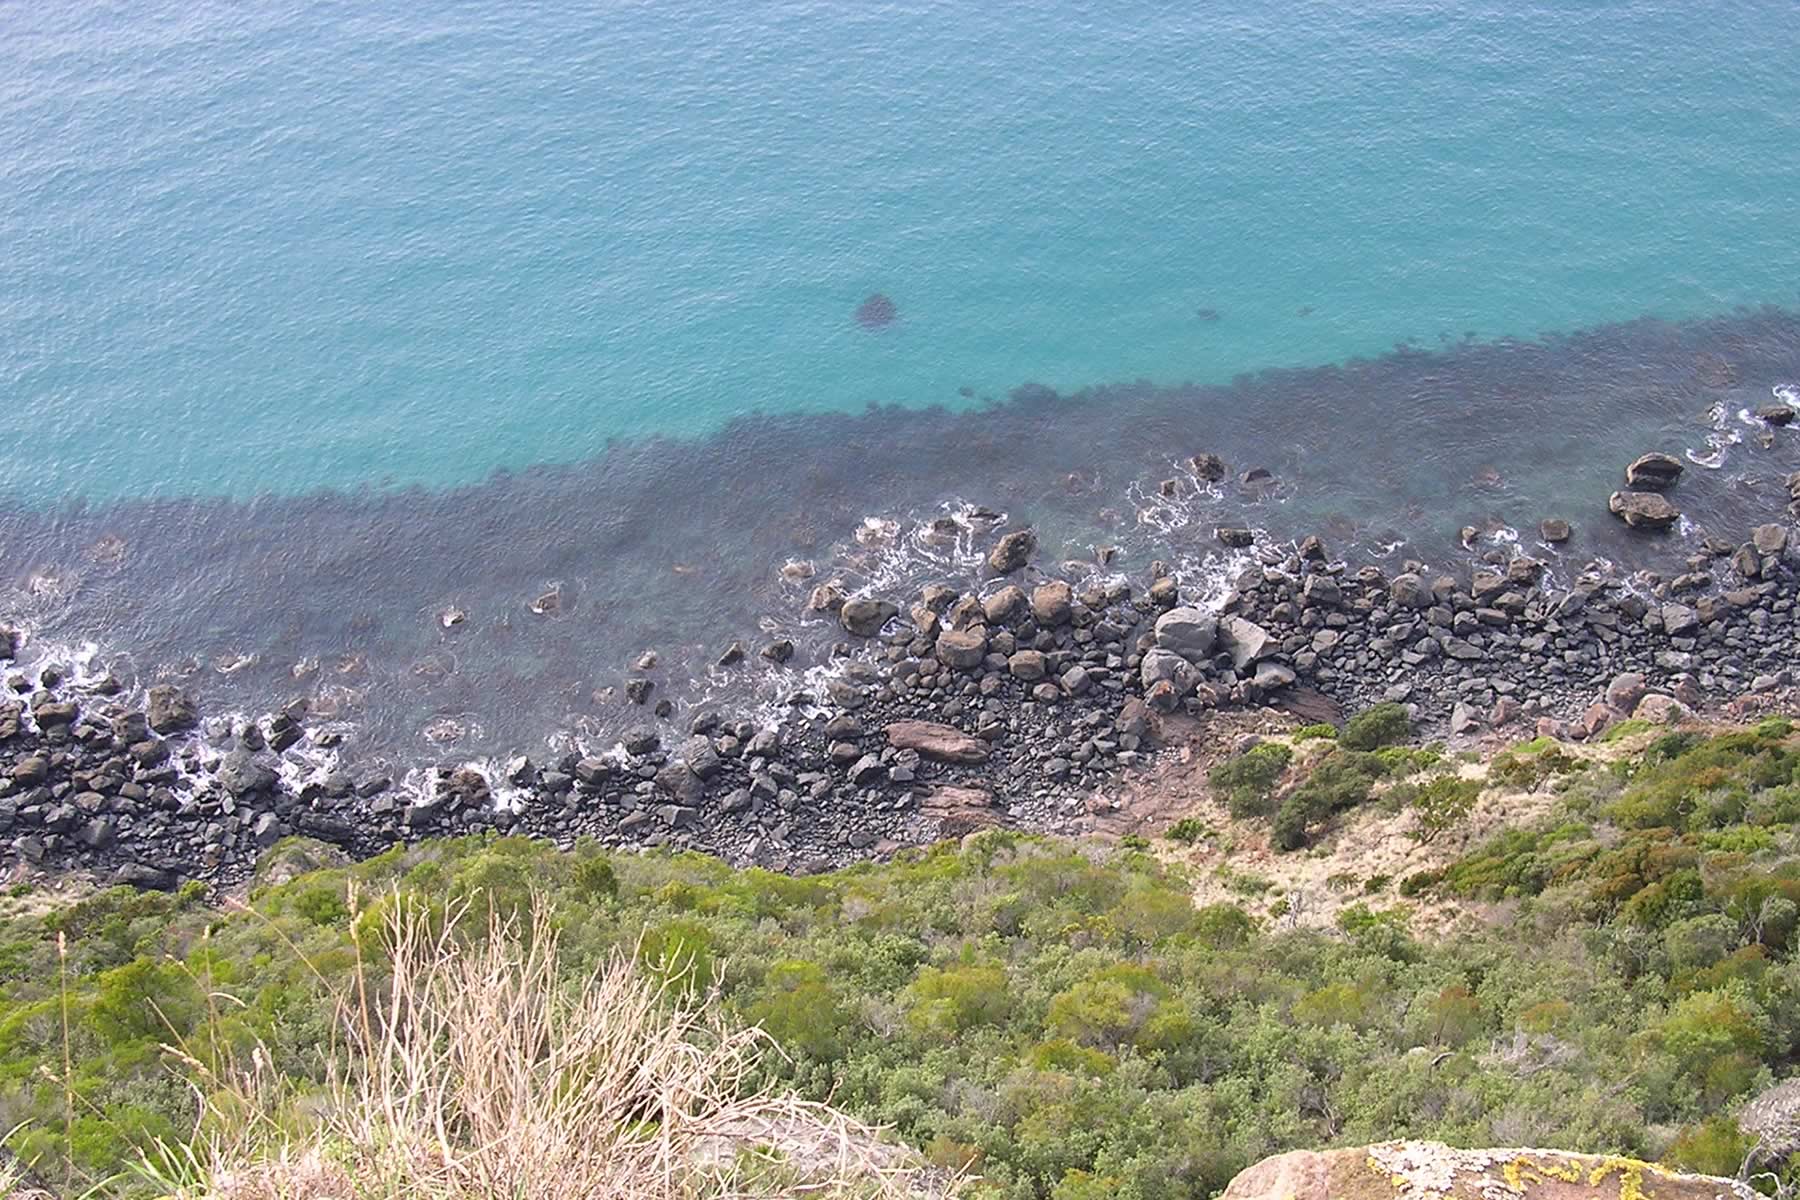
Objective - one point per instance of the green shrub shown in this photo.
(1248, 780)
(1373, 728)
(1188, 830)
(1441, 805)
(1342, 779)
(1307, 733)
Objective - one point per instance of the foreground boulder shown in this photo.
(1417, 1170)
(1643, 510)
(946, 743)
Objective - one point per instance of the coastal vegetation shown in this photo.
(1059, 1019)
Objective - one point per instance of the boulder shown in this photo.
(1026, 665)
(1659, 709)
(864, 616)
(1322, 591)
(1643, 510)
(1679, 620)
(1188, 632)
(1415, 1170)
(960, 811)
(1012, 551)
(1209, 467)
(1271, 676)
(1236, 536)
(1624, 692)
(1409, 590)
(9, 642)
(168, 709)
(1247, 642)
(1771, 540)
(944, 743)
(1554, 530)
(962, 649)
(1656, 472)
(1004, 605)
(241, 774)
(1167, 667)
(1775, 414)
(1052, 603)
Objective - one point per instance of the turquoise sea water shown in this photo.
(271, 247)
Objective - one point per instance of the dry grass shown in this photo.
(480, 1073)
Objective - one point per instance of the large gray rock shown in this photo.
(1166, 666)
(864, 616)
(1411, 591)
(168, 709)
(1770, 539)
(1643, 510)
(1657, 472)
(1052, 603)
(1624, 692)
(1271, 676)
(1246, 641)
(1188, 632)
(1679, 620)
(241, 774)
(1004, 605)
(1027, 665)
(1322, 591)
(1012, 551)
(962, 648)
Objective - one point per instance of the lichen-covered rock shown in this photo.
(1433, 1171)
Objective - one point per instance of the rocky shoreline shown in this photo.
(946, 712)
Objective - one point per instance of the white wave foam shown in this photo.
(1721, 439)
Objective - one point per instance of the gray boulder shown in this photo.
(1247, 642)
(864, 616)
(1188, 632)
(1012, 551)
(1657, 472)
(1643, 510)
(168, 709)
(1166, 666)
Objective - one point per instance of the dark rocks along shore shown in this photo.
(1027, 703)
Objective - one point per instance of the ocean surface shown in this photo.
(319, 322)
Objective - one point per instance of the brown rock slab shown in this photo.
(945, 743)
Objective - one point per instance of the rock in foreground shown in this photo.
(1416, 1170)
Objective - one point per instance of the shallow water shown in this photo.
(679, 546)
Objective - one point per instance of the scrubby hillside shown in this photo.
(1062, 1019)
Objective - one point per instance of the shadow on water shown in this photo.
(677, 546)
